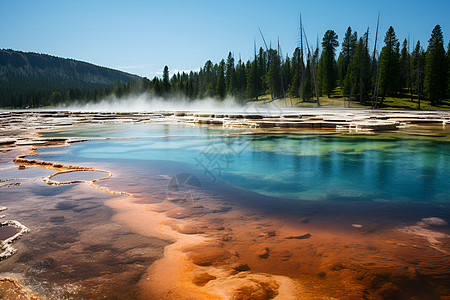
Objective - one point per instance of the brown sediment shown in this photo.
(252, 256)
(247, 254)
(312, 256)
(68, 259)
(184, 256)
(196, 266)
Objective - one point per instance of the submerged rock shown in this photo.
(241, 267)
(299, 237)
(285, 254)
(202, 278)
(208, 255)
(263, 253)
(247, 286)
(433, 221)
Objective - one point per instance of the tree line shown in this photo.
(34, 94)
(358, 72)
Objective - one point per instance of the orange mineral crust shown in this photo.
(120, 229)
(222, 249)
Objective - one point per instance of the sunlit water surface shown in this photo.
(380, 181)
(393, 166)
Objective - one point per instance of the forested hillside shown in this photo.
(35, 80)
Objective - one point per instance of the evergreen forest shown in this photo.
(361, 74)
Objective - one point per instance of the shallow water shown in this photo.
(336, 212)
(297, 165)
(79, 176)
(7, 232)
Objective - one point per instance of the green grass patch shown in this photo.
(401, 102)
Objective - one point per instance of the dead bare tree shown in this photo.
(281, 73)
(410, 82)
(375, 89)
(310, 50)
(361, 68)
(262, 36)
(351, 83)
(418, 78)
(302, 66)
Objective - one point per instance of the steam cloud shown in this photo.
(149, 103)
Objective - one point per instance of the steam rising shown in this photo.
(148, 103)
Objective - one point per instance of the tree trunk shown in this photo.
(315, 85)
(351, 87)
(360, 80)
(380, 105)
(375, 96)
(418, 81)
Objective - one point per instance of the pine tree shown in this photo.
(365, 77)
(207, 88)
(360, 69)
(252, 80)
(448, 73)
(327, 62)
(273, 76)
(435, 67)
(262, 71)
(157, 87)
(309, 84)
(345, 57)
(144, 85)
(230, 78)
(221, 86)
(296, 74)
(404, 66)
(166, 82)
(286, 73)
(417, 69)
(241, 82)
(388, 76)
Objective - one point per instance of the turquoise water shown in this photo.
(398, 166)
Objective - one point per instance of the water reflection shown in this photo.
(377, 182)
(383, 167)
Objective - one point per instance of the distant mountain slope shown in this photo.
(29, 79)
(33, 65)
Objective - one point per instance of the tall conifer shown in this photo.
(327, 62)
(436, 67)
(389, 58)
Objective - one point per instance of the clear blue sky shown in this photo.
(141, 37)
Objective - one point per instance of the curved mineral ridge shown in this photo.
(62, 169)
(5, 245)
